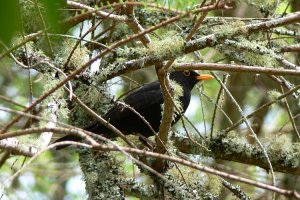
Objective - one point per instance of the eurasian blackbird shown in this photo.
(147, 101)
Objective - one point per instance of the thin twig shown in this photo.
(193, 165)
(225, 78)
(236, 68)
(83, 67)
(11, 101)
(291, 116)
(244, 117)
(44, 25)
(102, 121)
(262, 107)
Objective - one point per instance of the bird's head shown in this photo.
(189, 78)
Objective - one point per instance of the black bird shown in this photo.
(147, 101)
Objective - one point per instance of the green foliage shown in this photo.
(9, 20)
(49, 14)
(31, 21)
(52, 13)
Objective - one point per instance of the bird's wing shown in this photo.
(147, 95)
(154, 86)
(141, 100)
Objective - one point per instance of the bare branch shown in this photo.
(236, 68)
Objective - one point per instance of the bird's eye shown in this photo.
(186, 72)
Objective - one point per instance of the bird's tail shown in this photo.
(94, 128)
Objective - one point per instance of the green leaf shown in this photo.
(53, 13)
(9, 20)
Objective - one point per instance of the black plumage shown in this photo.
(147, 101)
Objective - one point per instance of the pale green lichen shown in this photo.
(178, 92)
(280, 143)
(260, 60)
(232, 135)
(250, 52)
(296, 153)
(296, 147)
(127, 53)
(38, 58)
(108, 70)
(133, 138)
(214, 184)
(234, 143)
(59, 97)
(169, 46)
(273, 95)
(30, 46)
(53, 108)
(101, 174)
(228, 29)
(202, 184)
(258, 52)
(190, 175)
(97, 99)
(281, 149)
(79, 57)
(120, 31)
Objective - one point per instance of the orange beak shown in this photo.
(204, 77)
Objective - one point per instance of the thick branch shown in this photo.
(168, 111)
(292, 48)
(232, 149)
(199, 167)
(15, 147)
(201, 43)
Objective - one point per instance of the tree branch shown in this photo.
(232, 149)
(236, 68)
